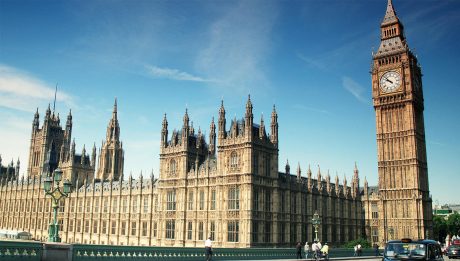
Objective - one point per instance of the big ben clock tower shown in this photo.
(404, 200)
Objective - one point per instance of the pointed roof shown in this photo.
(390, 14)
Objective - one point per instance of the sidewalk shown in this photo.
(361, 258)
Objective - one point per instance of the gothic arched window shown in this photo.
(234, 160)
(172, 167)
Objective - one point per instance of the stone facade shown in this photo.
(229, 189)
(402, 206)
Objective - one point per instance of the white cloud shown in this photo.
(354, 88)
(238, 44)
(20, 91)
(173, 74)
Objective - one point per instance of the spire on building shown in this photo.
(36, 121)
(212, 138)
(113, 128)
(262, 127)
(390, 14)
(222, 121)
(164, 132)
(274, 127)
(299, 172)
(288, 168)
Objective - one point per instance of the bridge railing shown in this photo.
(104, 252)
(20, 250)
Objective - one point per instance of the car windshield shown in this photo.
(454, 247)
(405, 250)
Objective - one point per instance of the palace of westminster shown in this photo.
(228, 186)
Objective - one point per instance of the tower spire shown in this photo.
(390, 14)
(54, 103)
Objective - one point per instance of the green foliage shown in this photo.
(364, 243)
(439, 228)
(453, 224)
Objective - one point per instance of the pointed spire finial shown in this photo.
(390, 14)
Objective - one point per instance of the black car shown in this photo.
(453, 251)
(407, 249)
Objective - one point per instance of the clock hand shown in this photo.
(389, 81)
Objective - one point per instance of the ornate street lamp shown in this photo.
(56, 195)
(316, 222)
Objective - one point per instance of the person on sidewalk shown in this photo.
(307, 250)
(299, 250)
(208, 249)
(325, 251)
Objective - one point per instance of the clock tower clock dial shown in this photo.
(390, 81)
(404, 198)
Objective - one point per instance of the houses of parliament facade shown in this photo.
(227, 186)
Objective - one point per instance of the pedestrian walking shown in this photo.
(356, 251)
(325, 251)
(359, 250)
(208, 249)
(299, 250)
(376, 249)
(307, 250)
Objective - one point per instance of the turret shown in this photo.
(355, 188)
(319, 180)
(36, 122)
(248, 118)
(16, 171)
(93, 156)
(185, 129)
(309, 178)
(212, 138)
(328, 183)
(366, 186)
(299, 178)
(262, 128)
(72, 151)
(274, 127)
(222, 121)
(164, 132)
(83, 155)
(287, 168)
(113, 129)
(337, 187)
(345, 189)
(68, 128)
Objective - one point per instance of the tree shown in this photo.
(439, 228)
(453, 224)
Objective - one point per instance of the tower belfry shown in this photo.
(404, 201)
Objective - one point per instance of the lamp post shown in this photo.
(316, 222)
(56, 194)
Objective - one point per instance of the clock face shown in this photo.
(390, 81)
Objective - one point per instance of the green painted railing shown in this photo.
(132, 253)
(20, 250)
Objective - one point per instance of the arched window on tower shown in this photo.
(234, 160)
(172, 167)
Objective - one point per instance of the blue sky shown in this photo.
(310, 58)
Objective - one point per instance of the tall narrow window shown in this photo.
(133, 228)
(234, 159)
(200, 231)
(190, 200)
(172, 167)
(105, 206)
(189, 230)
(144, 228)
(134, 204)
(213, 230)
(256, 200)
(233, 230)
(170, 229)
(201, 200)
(268, 200)
(234, 198)
(115, 205)
(267, 166)
(155, 229)
(213, 199)
(113, 230)
(146, 205)
(171, 200)
(104, 227)
(123, 228)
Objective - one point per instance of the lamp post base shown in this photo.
(53, 233)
